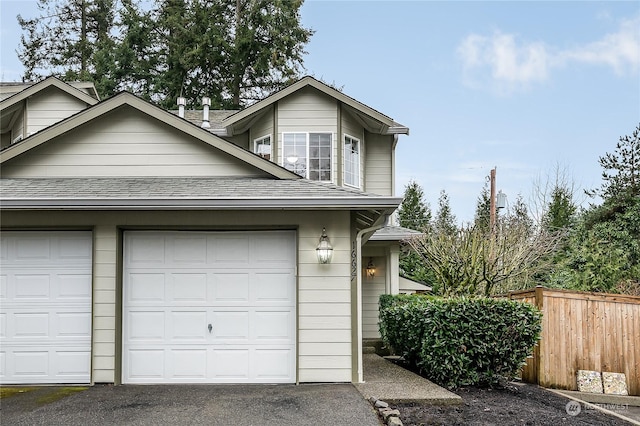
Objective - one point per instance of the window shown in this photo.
(308, 154)
(262, 147)
(351, 161)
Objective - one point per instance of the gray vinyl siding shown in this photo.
(309, 110)
(126, 142)
(372, 288)
(324, 341)
(241, 140)
(18, 127)
(49, 107)
(263, 127)
(5, 139)
(379, 164)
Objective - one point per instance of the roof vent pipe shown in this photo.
(181, 103)
(206, 103)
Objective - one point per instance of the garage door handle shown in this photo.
(210, 327)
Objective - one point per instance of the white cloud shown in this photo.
(619, 50)
(499, 58)
(503, 63)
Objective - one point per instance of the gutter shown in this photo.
(359, 243)
(350, 203)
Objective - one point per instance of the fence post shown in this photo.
(537, 350)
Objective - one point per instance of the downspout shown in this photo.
(359, 292)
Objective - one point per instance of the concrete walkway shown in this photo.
(386, 381)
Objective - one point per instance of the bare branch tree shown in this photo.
(473, 261)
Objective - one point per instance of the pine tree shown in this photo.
(621, 169)
(482, 217)
(561, 210)
(71, 39)
(414, 212)
(445, 221)
(233, 51)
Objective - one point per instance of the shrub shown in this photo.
(460, 341)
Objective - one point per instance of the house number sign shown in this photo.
(354, 261)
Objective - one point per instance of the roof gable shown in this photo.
(45, 84)
(374, 120)
(178, 124)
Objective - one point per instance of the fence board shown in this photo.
(583, 331)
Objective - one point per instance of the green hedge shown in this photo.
(461, 341)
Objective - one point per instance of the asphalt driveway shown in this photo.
(240, 405)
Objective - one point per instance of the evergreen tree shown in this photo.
(414, 212)
(445, 221)
(233, 51)
(482, 217)
(519, 215)
(561, 211)
(603, 253)
(71, 39)
(621, 169)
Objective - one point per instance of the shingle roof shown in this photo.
(215, 117)
(205, 192)
(394, 233)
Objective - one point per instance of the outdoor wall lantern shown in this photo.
(324, 249)
(371, 268)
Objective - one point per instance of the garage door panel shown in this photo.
(188, 287)
(272, 253)
(145, 326)
(188, 251)
(250, 307)
(230, 326)
(31, 286)
(32, 248)
(231, 363)
(273, 364)
(145, 364)
(273, 286)
(145, 287)
(29, 325)
(73, 325)
(231, 287)
(146, 251)
(188, 326)
(3, 287)
(72, 363)
(228, 250)
(188, 363)
(30, 363)
(274, 327)
(74, 286)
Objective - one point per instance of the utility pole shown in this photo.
(492, 205)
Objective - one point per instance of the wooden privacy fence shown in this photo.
(583, 331)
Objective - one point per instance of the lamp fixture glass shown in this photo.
(292, 158)
(371, 268)
(324, 249)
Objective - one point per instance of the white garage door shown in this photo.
(45, 301)
(209, 307)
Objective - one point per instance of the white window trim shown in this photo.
(255, 146)
(344, 161)
(284, 157)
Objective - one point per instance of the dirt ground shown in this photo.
(520, 404)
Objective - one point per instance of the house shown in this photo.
(140, 245)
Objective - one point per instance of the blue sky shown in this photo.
(521, 86)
